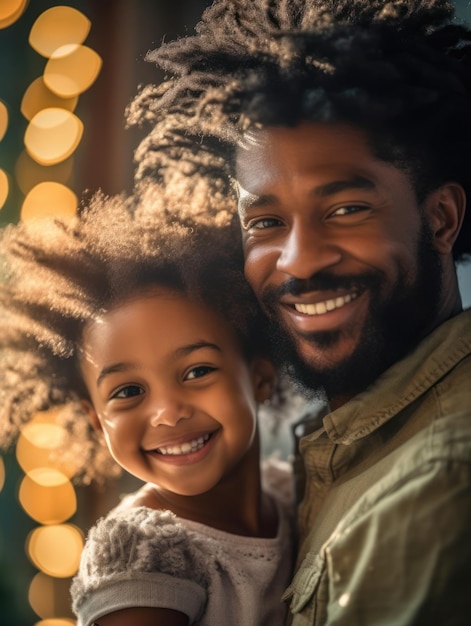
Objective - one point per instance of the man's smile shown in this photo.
(324, 306)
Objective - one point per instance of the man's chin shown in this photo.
(329, 363)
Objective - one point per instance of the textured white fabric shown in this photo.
(145, 557)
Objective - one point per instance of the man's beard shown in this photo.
(393, 328)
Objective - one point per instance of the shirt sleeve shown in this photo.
(139, 558)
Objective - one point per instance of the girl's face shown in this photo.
(171, 390)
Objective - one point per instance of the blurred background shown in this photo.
(67, 72)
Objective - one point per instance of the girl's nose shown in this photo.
(169, 412)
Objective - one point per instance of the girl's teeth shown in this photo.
(319, 308)
(185, 448)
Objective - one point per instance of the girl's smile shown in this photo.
(172, 392)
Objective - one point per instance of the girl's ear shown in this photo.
(445, 208)
(88, 408)
(264, 376)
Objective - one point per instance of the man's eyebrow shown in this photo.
(337, 186)
(248, 200)
(182, 351)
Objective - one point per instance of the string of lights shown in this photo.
(42, 172)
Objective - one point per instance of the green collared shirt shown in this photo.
(385, 522)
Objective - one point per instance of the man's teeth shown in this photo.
(319, 308)
(185, 448)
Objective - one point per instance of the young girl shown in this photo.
(149, 333)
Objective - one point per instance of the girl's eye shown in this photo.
(199, 372)
(130, 391)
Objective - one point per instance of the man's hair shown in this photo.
(400, 70)
(56, 277)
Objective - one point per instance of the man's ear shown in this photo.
(445, 208)
(264, 376)
(88, 408)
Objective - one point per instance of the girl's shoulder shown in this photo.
(138, 549)
(133, 540)
(146, 495)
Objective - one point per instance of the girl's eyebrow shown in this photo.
(183, 351)
(197, 345)
(112, 369)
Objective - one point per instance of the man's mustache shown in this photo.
(322, 282)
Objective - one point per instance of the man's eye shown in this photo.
(261, 224)
(349, 209)
(130, 391)
(199, 372)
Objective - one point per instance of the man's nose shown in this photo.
(307, 250)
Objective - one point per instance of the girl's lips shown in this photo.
(181, 455)
(185, 448)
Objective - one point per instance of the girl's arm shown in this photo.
(144, 617)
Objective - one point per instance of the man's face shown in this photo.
(338, 252)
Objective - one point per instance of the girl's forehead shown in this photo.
(157, 311)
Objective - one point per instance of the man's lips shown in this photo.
(322, 312)
(310, 304)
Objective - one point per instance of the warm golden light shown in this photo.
(4, 188)
(2, 473)
(56, 621)
(43, 430)
(39, 440)
(50, 596)
(29, 173)
(49, 200)
(72, 70)
(47, 496)
(3, 119)
(57, 27)
(38, 97)
(56, 549)
(10, 11)
(52, 135)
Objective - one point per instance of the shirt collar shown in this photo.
(402, 383)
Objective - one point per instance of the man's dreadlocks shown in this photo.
(399, 69)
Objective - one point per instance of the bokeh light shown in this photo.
(38, 441)
(29, 173)
(2, 473)
(3, 119)
(4, 187)
(56, 622)
(55, 549)
(72, 70)
(10, 11)
(47, 496)
(57, 27)
(50, 597)
(38, 97)
(52, 135)
(49, 199)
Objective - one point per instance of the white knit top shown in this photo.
(141, 557)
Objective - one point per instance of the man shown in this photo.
(346, 128)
